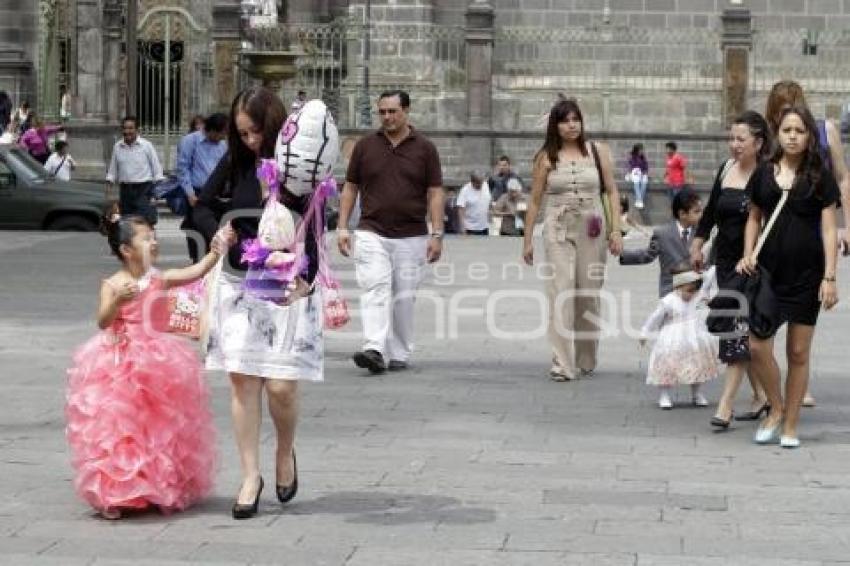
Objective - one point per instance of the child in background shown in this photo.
(670, 242)
(138, 419)
(684, 352)
(60, 163)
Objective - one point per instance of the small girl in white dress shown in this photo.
(684, 352)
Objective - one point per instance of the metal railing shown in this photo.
(819, 61)
(426, 60)
(611, 58)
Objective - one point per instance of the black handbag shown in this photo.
(750, 297)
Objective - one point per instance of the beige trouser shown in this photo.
(577, 264)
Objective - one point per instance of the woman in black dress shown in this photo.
(264, 346)
(785, 94)
(728, 209)
(800, 254)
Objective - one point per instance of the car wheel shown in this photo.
(72, 223)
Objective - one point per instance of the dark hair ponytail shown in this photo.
(120, 230)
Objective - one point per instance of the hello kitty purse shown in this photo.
(184, 306)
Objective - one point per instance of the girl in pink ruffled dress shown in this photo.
(139, 424)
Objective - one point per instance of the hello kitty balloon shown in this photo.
(307, 148)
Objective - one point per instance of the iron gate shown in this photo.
(174, 75)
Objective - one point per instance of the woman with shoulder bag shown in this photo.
(784, 94)
(264, 345)
(575, 175)
(799, 195)
(728, 209)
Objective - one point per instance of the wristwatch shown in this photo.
(437, 235)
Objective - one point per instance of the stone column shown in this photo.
(89, 58)
(737, 41)
(479, 63)
(112, 106)
(225, 36)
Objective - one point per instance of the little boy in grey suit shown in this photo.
(670, 242)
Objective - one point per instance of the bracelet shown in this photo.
(437, 235)
(829, 279)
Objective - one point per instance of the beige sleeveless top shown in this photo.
(573, 177)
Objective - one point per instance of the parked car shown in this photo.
(31, 199)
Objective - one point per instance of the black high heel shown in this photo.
(722, 423)
(248, 510)
(754, 415)
(285, 493)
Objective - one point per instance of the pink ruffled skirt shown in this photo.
(139, 425)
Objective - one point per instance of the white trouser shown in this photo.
(388, 271)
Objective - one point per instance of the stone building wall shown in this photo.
(682, 103)
(19, 49)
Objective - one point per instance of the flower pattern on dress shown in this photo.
(684, 352)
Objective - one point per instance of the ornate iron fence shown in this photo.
(426, 60)
(609, 58)
(175, 72)
(820, 61)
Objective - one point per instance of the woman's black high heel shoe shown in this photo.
(754, 415)
(722, 423)
(248, 510)
(285, 493)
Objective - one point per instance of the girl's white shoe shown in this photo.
(664, 401)
(700, 400)
(789, 442)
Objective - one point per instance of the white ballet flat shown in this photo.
(789, 442)
(767, 435)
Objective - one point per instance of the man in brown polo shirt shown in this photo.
(396, 171)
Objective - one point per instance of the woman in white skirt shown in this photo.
(263, 345)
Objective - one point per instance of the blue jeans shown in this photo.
(673, 190)
(640, 188)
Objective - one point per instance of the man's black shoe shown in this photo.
(397, 365)
(371, 360)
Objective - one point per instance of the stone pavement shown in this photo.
(473, 457)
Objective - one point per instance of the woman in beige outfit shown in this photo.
(574, 236)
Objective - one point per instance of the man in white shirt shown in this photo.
(135, 167)
(473, 204)
(60, 163)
